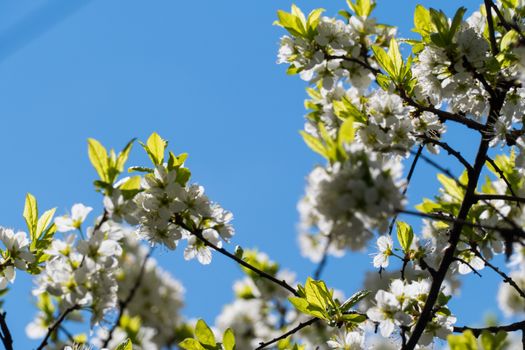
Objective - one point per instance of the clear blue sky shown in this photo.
(203, 75)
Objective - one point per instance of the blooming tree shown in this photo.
(371, 110)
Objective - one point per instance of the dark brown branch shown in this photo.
(123, 304)
(364, 64)
(501, 175)
(449, 150)
(55, 326)
(506, 278)
(492, 32)
(409, 177)
(261, 273)
(517, 326)
(503, 197)
(5, 335)
(504, 22)
(320, 267)
(443, 115)
(496, 102)
(476, 272)
(300, 326)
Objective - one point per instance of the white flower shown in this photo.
(66, 223)
(198, 249)
(386, 307)
(385, 245)
(346, 341)
(469, 258)
(18, 246)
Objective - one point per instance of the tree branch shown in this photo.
(449, 149)
(55, 326)
(492, 33)
(409, 177)
(124, 304)
(517, 326)
(506, 278)
(5, 336)
(283, 284)
(300, 326)
(324, 259)
(501, 175)
(503, 197)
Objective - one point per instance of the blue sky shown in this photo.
(203, 75)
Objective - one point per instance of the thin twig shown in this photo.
(5, 336)
(449, 150)
(501, 175)
(324, 259)
(463, 261)
(492, 33)
(124, 303)
(503, 197)
(506, 278)
(283, 283)
(409, 177)
(517, 326)
(300, 326)
(55, 326)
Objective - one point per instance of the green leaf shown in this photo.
(346, 132)
(155, 146)
(44, 221)
(191, 344)
(315, 144)
(31, 215)
(354, 299)
(98, 156)
(464, 341)
(493, 341)
(204, 334)
(354, 318)
(313, 20)
(422, 21)
(345, 109)
(316, 293)
(291, 23)
(384, 60)
(362, 8)
(383, 81)
(405, 235)
(300, 303)
(451, 187)
(131, 187)
(456, 22)
(228, 340)
(125, 345)
(395, 58)
(508, 40)
(140, 169)
(123, 156)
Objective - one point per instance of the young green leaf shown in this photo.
(346, 132)
(204, 334)
(44, 221)
(354, 299)
(155, 146)
(422, 22)
(228, 340)
(315, 144)
(98, 156)
(123, 156)
(405, 235)
(31, 215)
(191, 344)
(125, 345)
